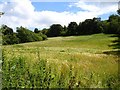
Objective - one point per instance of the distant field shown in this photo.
(61, 62)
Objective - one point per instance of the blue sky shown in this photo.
(63, 6)
(43, 14)
(54, 6)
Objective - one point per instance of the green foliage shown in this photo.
(44, 37)
(6, 30)
(23, 35)
(44, 31)
(87, 27)
(64, 32)
(36, 30)
(112, 25)
(26, 35)
(8, 36)
(90, 26)
(118, 11)
(55, 30)
(10, 39)
(72, 28)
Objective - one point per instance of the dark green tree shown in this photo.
(118, 11)
(64, 31)
(26, 35)
(10, 39)
(44, 31)
(111, 26)
(44, 37)
(72, 28)
(6, 30)
(8, 36)
(55, 30)
(90, 26)
(36, 30)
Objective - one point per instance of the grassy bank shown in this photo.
(61, 62)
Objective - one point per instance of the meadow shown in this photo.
(61, 62)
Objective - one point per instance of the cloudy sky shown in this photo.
(43, 13)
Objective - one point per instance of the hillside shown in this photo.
(77, 58)
(97, 41)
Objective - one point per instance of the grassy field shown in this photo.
(61, 62)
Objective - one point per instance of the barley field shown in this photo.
(61, 62)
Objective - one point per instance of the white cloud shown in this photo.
(85, 6)
(98, 8)
(18, 13)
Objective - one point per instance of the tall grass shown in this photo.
(30, 66)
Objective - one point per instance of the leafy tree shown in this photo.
(55, 30)
(90, 26)
(8, 36)
(44, 31)
(118, 11)
(36, 30)
(72, 28)
(26, 35)
(64, 31)
(111, 26)
(10, 39)
(105, 26)
(96, 25)
(86, 27)
(44, 37)
(6, 30)
(113, 17)
(23, 35)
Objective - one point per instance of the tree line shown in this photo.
(87, 27)
(22, 35)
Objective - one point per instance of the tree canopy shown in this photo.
(22, 35)
(55, 30)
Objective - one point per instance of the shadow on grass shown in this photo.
(115, 46)
(116, 51)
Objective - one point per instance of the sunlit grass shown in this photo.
(75, 61)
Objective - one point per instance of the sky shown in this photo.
(43, 13)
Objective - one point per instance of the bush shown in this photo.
(10, 39)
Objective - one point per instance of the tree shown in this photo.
(55, 30)
(113, 17)
(111, 26)
(72, 28)
(36, 30)
(90, 26)
(10, 39)
(118, 11)
(6, 30)
(105, 25)
(64, 31)
(8, 36)
(23, 35)
(26, 35)
(96, 25)
(79, 28)
(44, 31)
